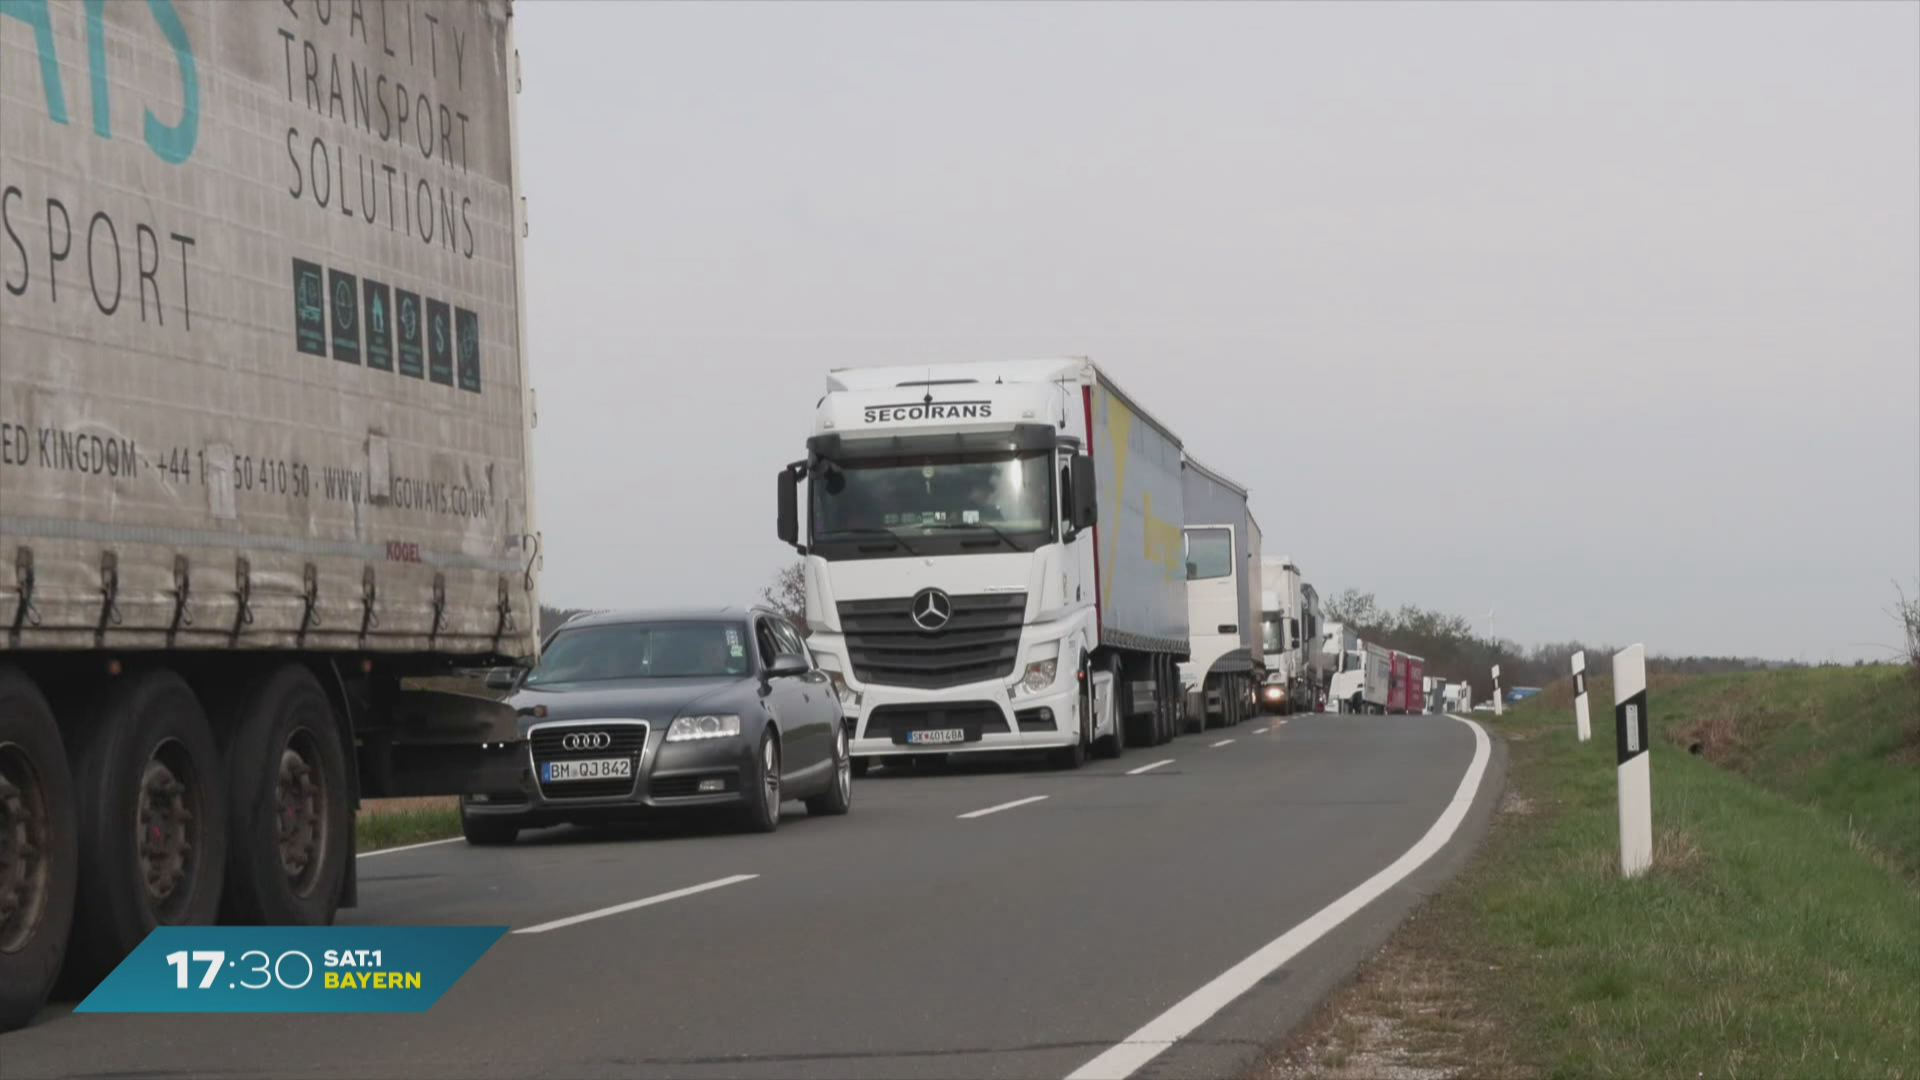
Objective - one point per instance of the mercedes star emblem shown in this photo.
(586, 740)
(931, 609)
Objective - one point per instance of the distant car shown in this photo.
(630, 715)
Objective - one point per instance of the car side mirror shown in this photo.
(786, 666)
(503, 678)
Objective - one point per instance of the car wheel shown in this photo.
(760, 805)
(838, 798)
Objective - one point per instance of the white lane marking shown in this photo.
(1121, 1061)
(1002, 806)
(634, 905)
(1149, 768)
(1259, 731)
(408, 847)
(1219, 744)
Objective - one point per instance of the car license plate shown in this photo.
(590, 769)
(939, 735)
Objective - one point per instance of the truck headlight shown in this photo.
(689, 728)
(1040, 675)
(849, 697)
(1273, 693)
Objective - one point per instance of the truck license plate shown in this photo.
(591, 769)
(938, 735)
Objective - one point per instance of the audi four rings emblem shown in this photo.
(586, 740)
(931, 609)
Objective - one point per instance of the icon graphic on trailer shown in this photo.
(409, 319)
(439, 335)
(343, 305)
(309, 298)
(379, 315)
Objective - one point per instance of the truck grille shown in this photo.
(624, 738)
(980, 642)
(976, 717)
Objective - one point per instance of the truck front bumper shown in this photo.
(889, 717)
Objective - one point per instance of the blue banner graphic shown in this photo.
(291, 969)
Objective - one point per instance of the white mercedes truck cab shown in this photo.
(993, 560)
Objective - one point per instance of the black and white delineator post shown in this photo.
(1630, 729)
(1580, 721)
(1499, 705)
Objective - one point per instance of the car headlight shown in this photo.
(689, 728)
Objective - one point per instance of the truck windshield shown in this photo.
(1270, 634)
(697, 650)
(982, 500)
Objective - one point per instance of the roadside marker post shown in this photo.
(1499, 704)
(1580, 721)
(1630, 730)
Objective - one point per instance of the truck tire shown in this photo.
(147, 755)
(1069, 758)
(289, 808)
(39, 861)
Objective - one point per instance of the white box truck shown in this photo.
(264, 429)
(993, 560)
(1361, 685)
(1223, 599)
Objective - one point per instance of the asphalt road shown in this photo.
(904, 940)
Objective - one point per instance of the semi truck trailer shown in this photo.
(993, 560)
(1222, 677)
(264, 443)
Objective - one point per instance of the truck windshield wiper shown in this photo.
(875, 530)
(995, 529)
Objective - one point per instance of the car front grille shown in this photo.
(980, 642)
(624, 739)
(977, 718)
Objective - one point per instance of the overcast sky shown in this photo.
(1603, 315)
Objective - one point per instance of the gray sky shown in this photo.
(1605, 314)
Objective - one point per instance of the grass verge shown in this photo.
(385, 823)
(1778, 934)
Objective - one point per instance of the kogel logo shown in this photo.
(929, 410)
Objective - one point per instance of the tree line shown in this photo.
(1453, 652)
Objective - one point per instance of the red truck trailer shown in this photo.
(1416, 685)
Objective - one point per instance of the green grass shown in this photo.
(1771, 939)
(393, 826)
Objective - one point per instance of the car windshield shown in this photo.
(643, 651)
(917, 495)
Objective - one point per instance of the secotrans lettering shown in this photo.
(929, 410)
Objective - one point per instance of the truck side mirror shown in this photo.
(789, 526)
(1296, 630)
(1086, 496)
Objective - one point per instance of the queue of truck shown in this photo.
(266, 503)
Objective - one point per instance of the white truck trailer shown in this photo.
(264, 440)
(1223, 600)
(993, 560)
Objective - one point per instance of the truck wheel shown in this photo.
(860, 767)
(289, 808)
(38, 859)
(149, 758)
(488, 830)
